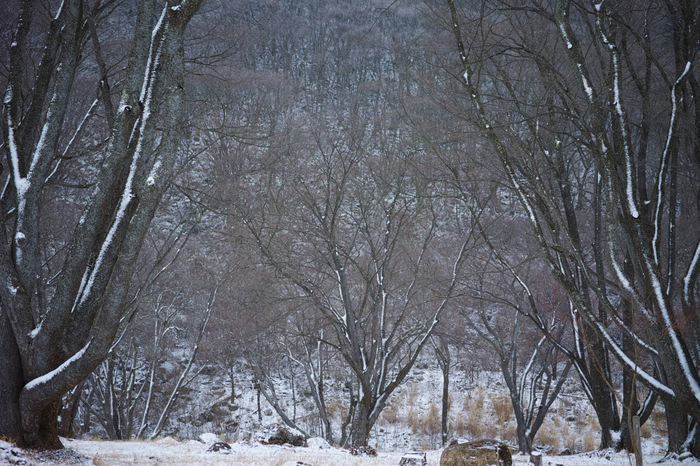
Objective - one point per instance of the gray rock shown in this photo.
(280, 435)
(222, 447)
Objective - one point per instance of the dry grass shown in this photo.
(390, 414)
(413, 391)
(97, 461)
(474, 413)
(336, 409)
(431, 422)
(590, 441)
(657, 422)
(503, 407)
(549, 434)
(509, 432)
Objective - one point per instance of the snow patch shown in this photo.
(318, 443)
(209, 438)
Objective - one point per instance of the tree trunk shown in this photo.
(445, 401)
(604, 401)
(45, 436)
(676, 423)
(11, 383)
(442, 353)
(78, 325)
(360, 429)
(630, 403)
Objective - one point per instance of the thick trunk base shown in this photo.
(677, 425)
(45, 434)
(11, 383)
(360, 429)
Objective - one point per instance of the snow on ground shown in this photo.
(168, 451)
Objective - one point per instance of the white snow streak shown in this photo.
(693, 266)
(627, 285)
(151, 181)
(21, 184)
(36, 331)
(664, 160)
(50, 375)
(127, 195)
(562, 29)
(150, 66)
(60, 8)
(632, 365)
(677, 347)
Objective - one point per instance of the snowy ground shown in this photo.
(480, 408)
(168, 451)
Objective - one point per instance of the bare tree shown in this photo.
(58, 329)
(531, 368)
(563, 92)
(358, 237)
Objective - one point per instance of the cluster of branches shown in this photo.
(368, 174)
(591, 108)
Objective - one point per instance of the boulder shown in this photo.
(479, 453)
(223, 447)
(280, 435)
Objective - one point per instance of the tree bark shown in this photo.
(11, 382)
(61, 341)
(676, 424)
(361, 423)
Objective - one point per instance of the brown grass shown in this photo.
(390, 414)
(590, 441)
(550, 434)
(336, 409)
(97, 461)
(431, 422)
(503, 407)
(474, 413)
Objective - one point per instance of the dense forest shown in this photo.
(334, 192)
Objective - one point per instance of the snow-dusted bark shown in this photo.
(584, 123)
(356, 232)
(66, 334)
